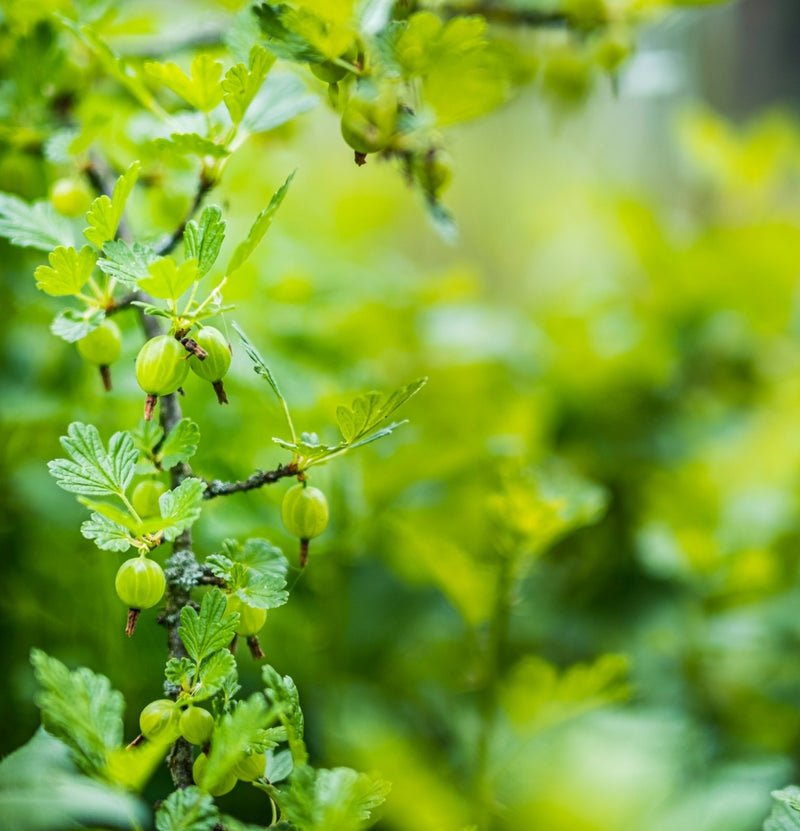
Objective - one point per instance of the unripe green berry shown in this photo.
(252, 767)
(140, 583)
(227, 784)
(102, 345)
(161, 365)
(197, 725)
(160, 720)
(145, 498)
(331, 72)
(214, 366)
(368, 120)
(305, 511)
(70, 197)
(251, 621)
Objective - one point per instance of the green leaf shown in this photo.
(242, 82)
(259, 364)
(106, 534)
(67, 273)
(370, 409)
(189, 809)
(234, 736)
(34, 225)
(188, 144)
(259, 228)
(203, 90)
(116, 515)
(71, 325)
(255, 572)
(180, 444)
(81, 709)
(785, 814)
(281, 692)
(215, 673)
(168, 281)
(339, 799)
(42, 790)
(277, 23)
(180, 672)
(203, 239)
(104, 214)
(209, 630)
(442, 221)
(93, 471)
(126, 264)
(181, 507)
(282, 97)
(279, 765)
(146, 436)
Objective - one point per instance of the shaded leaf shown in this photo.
(126, 264)
(33, 225)
(203, 239)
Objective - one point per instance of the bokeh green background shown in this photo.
(621, 309)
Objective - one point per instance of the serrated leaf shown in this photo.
(167, 280)
(259, 228)
(339, 799)
(33, 225)
(282, 41)
(282, 97)
(234, 735)
(281, 692)
(241, 83)
(203, 239)
(116, 515)
(785, 814)
(180, 444)
(106, 534)
(209, 630)
(189, 809)
(104, 214)
(80, 708)
(370, 409)
(41, 789)
(255, 572)
(259, 364)
(181, 507)
(93, 470)
(215, 672)
(67, 273)
(180, 672)
(126, 264)
(203, 90)
(132, 767)
(188, 144)
(71, 325)
(147, 435)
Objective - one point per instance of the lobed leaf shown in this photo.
(187, 144)
(242, 83)
(180, 507)
(93, 470)
(180, 444)
(67, 273)
(209, 630)
(167, 280)
(71, 325)
(104, 214)
(785, 814)
(202, 90)
(187, 809)
(280, 99)
(367, 411)
(106, 534)
(215, 673)
(126, 264)
(203, 239)
(80, 708)
(33, 225)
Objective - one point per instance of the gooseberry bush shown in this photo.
(397, 75)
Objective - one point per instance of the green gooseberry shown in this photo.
(251, 767)
(251, 620)
(226, 784)
(369, 118)
(196, 725)
(160, 720)
(161, 368)
(70, 197)
(145, 498)
(217, 361)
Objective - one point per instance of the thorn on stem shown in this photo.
(133, 616)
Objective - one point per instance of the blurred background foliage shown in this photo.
(564, 597)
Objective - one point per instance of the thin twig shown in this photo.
(175, 237)
(260, 478)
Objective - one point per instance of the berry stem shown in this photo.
(133, 617)
(255, 647)
(303, 553)
(105, 375)
(149, 406)
(219, 389)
